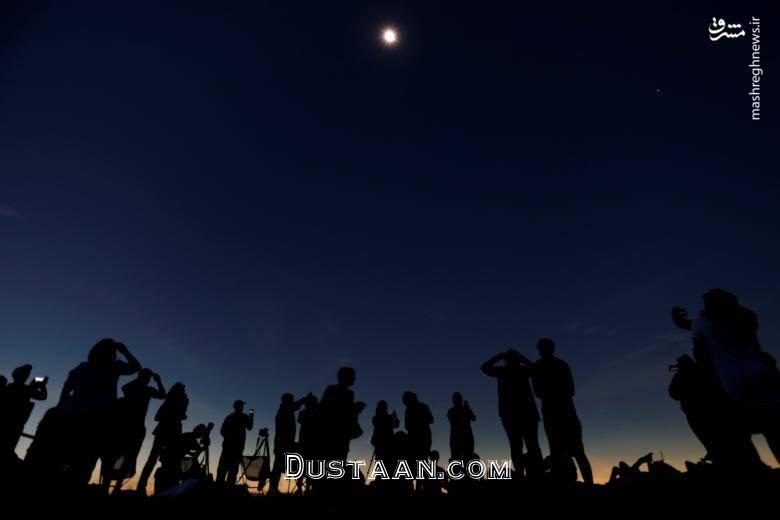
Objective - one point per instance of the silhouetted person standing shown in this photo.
(17, 405)
(233, 432)
(131, 423)
(307, 419)
(339, 415)
(384, 428)
(554, 385)
(517, 409)
(86, 404)
(307, 433)
(169, 418)
(461, 436)
(284, 437)
(417, 421)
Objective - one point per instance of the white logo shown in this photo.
(718, 29)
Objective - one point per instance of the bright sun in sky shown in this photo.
(390, 36)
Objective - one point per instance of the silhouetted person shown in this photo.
(339, 415)
(169, 418)
(233, 433)
(554, 385)
(86, 403)
(517, 409)
(307, 419)
(699, 393)
(307, 432)
(402, 451)
(17, 405)
(712, 415)
(384, 428)
(435, 486)
(417, 421)
(284, 437)
(461, 436)
(131, 425)
(185, 445)
(656, 470)
(625, 473)
(727, 334)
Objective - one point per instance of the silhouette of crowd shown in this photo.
(728, 389)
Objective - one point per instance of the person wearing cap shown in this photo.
(233, 432)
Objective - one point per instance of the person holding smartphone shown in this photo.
(17, 406)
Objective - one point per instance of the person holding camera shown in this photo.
(233, 432)
(17, 405)
(186, 446)
(517, 409)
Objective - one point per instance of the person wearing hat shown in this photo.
(233, 432)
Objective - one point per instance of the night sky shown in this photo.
(250, 196)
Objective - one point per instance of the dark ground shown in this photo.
(687, 496)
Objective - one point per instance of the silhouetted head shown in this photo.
(346, 376)
(435, 456)
(200, 430)
(238, 406)
(310, 401)
(145, 375)
(381, 408)
(512, 357)
(457, 399)
(20, 374)
(718, 302)
(103, 353)
(287, 398)
(409, 398)
(177, 389)
(546, 348)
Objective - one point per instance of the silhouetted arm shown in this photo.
(132, 365)
(489, 367)
(524, 360)
(159, 392)
(251, 421)
(680, 318)
(569, 381)
(469, 413)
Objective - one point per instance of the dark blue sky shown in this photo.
(251, 196)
